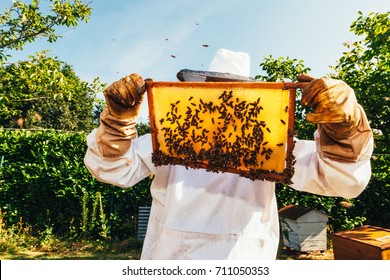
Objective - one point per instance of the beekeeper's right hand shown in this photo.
(124, 96)
(117, 121)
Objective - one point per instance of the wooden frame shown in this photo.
(249, 160)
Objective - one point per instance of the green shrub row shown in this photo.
(44, 183)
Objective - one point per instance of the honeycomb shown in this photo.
(243, 128)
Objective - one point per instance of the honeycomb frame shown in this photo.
(221, 127)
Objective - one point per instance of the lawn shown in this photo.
(129, 249)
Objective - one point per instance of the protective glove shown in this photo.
(117, 121)
(342, 124)
(124, 97)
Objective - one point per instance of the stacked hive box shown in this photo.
(362, 243)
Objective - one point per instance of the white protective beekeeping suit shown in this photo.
(197, 214)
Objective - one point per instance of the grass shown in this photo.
(129, 249)
(17, 243)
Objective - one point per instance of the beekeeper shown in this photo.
(197, 214)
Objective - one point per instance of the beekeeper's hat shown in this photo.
(227, 65)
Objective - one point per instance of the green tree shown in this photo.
(287, 69)
(24, 23)
(365, 66)
(46, 93)
(281, 69)
(43, 91)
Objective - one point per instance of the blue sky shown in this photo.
(125, 36)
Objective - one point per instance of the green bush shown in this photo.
(370, 207)
(44, 181)
(374, 202)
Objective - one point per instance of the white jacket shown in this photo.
(197, 214)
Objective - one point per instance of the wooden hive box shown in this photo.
(238, 127)
(303, 228)
(362, 243)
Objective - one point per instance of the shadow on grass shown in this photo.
(129, 249)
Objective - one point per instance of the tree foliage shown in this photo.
(24, 23)
(281, 69)
(365, 66)
(46, 93)
(43, 92)
(287, 69)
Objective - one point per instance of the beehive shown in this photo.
(303, 228)
(362, 243)
(239, 127)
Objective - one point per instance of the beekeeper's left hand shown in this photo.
(342, 124)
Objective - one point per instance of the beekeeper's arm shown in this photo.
(114, 155)
(343, 141)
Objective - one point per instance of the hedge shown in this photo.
(45, 183)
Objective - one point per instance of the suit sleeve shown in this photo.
(124, 171)
(315, 173)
